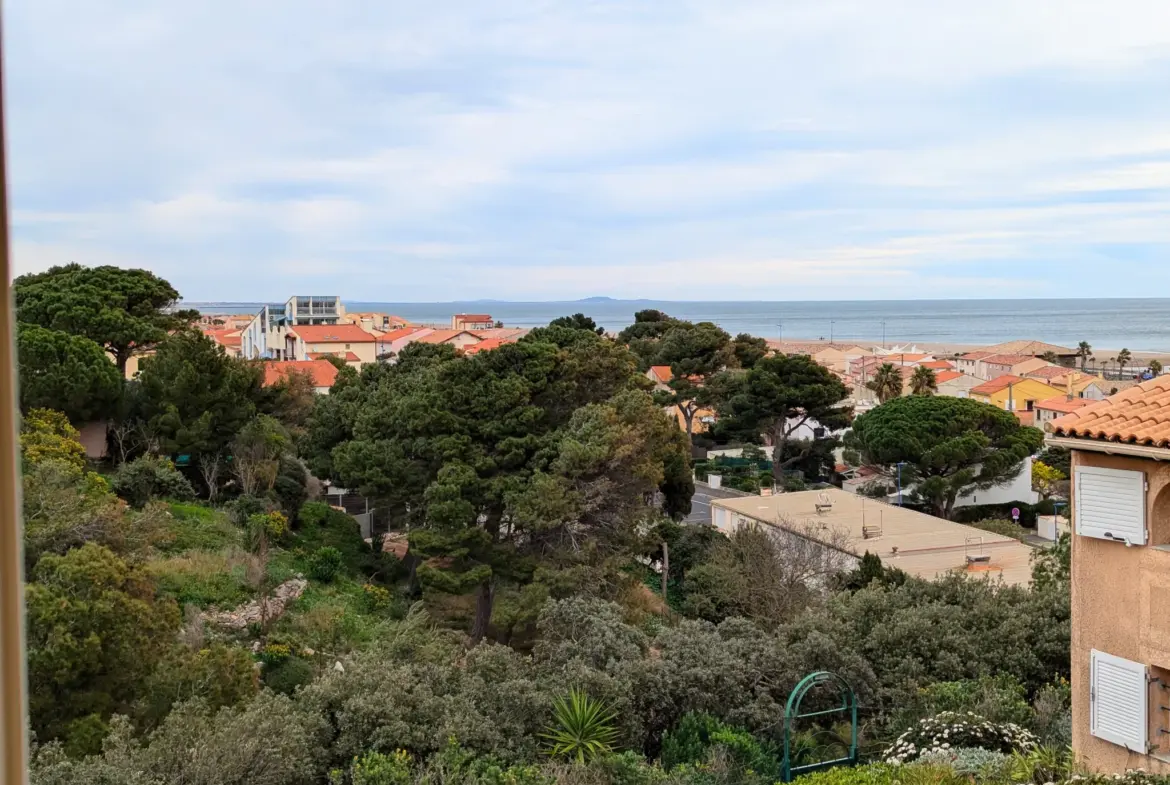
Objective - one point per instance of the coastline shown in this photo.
(946, 350)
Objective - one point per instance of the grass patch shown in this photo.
(204, 578)
(334, 618)
(197, 527)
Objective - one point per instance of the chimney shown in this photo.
(1068, 384)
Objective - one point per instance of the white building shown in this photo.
(266, 336)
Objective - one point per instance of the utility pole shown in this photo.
(883, 333)
(780, 331)
(830, 331)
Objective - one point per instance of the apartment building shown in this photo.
(472, 321)
(1121, 577)
(266, 335)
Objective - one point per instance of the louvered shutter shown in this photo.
(1118, 701)
(1110, 504)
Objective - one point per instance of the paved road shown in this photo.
(701, 502)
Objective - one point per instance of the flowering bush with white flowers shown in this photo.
(950, 730)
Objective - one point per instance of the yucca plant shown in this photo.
(582, 729)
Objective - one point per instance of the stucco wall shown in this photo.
(1121, 605)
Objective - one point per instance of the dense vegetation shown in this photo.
(196, 614)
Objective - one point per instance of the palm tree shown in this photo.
(1155, 368)
(923, 382)
(1123, 358)
(1084, 351)
(1050, 356)
(886, 382)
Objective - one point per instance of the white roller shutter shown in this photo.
(1110, 504)
(1118, 710)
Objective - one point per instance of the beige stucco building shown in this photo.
(1121, 577)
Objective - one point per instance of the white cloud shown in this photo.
(562, 149)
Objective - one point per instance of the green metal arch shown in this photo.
(792, 713)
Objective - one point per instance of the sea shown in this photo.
(1138, 324)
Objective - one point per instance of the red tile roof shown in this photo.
(1063, 404)
(662, 373)
(485, 345)
(1051, 372)
(332, 333)
(996, 384)
(473, 317)
(401, 332)
(976, 355)
(1025, 417)
(442, 336)
(946, 376)
(1139, 415)
(323, 372)
(938, 365)
(1007, 359)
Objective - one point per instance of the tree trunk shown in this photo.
(665, 571)
(688, 414)
(121, 357)
(484, 599)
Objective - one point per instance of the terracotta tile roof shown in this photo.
(996, 384)
(349, 357)
(947, 376)
(1063, 404)
(1025, 417)
(662, 373)
(401, 332)
(473, 317)
(1030, 348)
(485, 345)
(503, 333)
(938, 365)
(332, 333)
(1007, 359)
(1139, 415)
(442, 336)
(1052, 372)
(976, 355)
(322, 372)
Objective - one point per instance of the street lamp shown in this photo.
(831, 330)
(883, 333)
(780, 330)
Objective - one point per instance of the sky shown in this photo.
(531, 150)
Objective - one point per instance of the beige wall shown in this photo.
(1121, 605)
(366, 351)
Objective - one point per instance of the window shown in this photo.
(347, 346)
(1030, 405)
(1118, 701)
(1110, 504)
(818, 433)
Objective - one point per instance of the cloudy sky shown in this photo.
(533, 149)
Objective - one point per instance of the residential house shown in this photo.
(997, 365)
(955, 384)
(503, 333)
(229, 339)
(971, 363)
(472, 321)
(1013, 393)
(460, 339)
(266, 334)
(487, 344)
(322, 372)
(938, 365)
(834, 356)
(393, 342)
(862, 369)
(1064, 355)
(703, 419)
(1080, 385)
(373, 322)
(1013, 489)
(338, 340)
(1055, 408)
(1120, 577)
(848, 525)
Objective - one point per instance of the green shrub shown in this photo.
(313, 513)
(1002, 526)
(204, 578)
(274, 525)
(583, 728)
(950, 729)
(150, 477)
(689, 741)
(885, 774)
(375, 768)
(196, 527)
(244, 507)
(288, 674)
(970, 761)
(325, 564)
(377, 598)
(699, 737)
(994, 698)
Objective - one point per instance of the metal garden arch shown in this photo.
(792, 713)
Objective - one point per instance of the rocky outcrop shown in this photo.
(251, 613)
